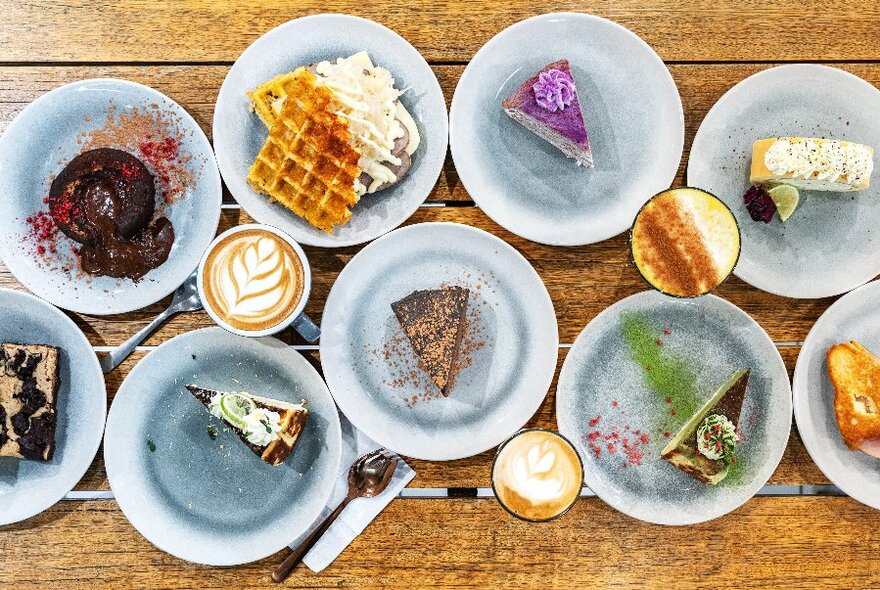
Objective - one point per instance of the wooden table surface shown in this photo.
(185, 48)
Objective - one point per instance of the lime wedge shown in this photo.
(786, 198)
(235, 406)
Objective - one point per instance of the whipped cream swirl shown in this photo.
(254, 280)
(822, 160)
(554, 90)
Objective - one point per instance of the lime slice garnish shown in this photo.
(235, 406)
(786, 198)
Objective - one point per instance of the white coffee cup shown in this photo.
(296, 317)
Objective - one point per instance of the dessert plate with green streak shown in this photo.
(635, 375)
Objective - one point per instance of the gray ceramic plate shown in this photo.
(37, 145)
(604, 387)
(855, 316)
(239, 134)
(830, 244)
(633, 115)
(214, 501)
(509, 351)
(29, 487)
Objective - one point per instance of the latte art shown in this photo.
(537, 475)
(253, 280)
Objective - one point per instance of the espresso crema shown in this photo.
(253, 280)
(537, 475)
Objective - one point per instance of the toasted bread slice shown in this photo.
(855, 374)
(835, 178)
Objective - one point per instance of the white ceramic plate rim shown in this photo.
(801, 392)
(84, 460)
(134, 514)
(345, 398)
(463, 166)
(759, 481)
(128, 303)
(226, 164)
(744, 269)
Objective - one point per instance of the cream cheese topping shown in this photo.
(370, 105)
(831, 160)
(261, 426)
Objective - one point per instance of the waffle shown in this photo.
(268, 98)
(307, 163)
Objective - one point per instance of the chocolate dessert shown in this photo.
(105, 200)
(28, 397)
(434, 323)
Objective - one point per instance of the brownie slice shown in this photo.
(29, 382)
(434, 323)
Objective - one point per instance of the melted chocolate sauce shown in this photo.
(104, 199)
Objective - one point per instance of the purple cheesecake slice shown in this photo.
(548, 105)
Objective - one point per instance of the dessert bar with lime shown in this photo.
(268, 427)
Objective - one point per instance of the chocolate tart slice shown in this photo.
(29, 382)
(560, 123)
(291, 421)
(682, 451)
(434, 322)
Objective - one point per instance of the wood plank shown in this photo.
(581, 281)
(189, 30)
(796, 467)
(797, 542)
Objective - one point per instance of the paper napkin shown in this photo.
(361, 511)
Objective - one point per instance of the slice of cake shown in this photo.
(268, 427)
(434, 322)
(705, 445)
(855, 374)
(548, 105)
(812, 163)
(28, 397)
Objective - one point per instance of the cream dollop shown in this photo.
(369, 100)
(261, 426)
(823, 160)
(716, 437)
(253, 279)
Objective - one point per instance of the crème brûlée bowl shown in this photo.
(685, 242)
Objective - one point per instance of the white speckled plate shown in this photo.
(239, 134)
(830, 244)
(509, 351)
(855, 316)
(214, 501)
(29, 487)
(633, 115)
(604, 389)
(37, 145)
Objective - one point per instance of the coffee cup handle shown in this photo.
(308, 329)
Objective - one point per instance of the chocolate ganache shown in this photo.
(105, 200)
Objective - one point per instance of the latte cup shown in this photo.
(537, 475)
(254, 280)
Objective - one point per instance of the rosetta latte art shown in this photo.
(254, 280)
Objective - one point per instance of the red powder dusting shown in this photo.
(667, 331)
(129, 171)
(42, 231)
(672, 412)
(608, 439)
